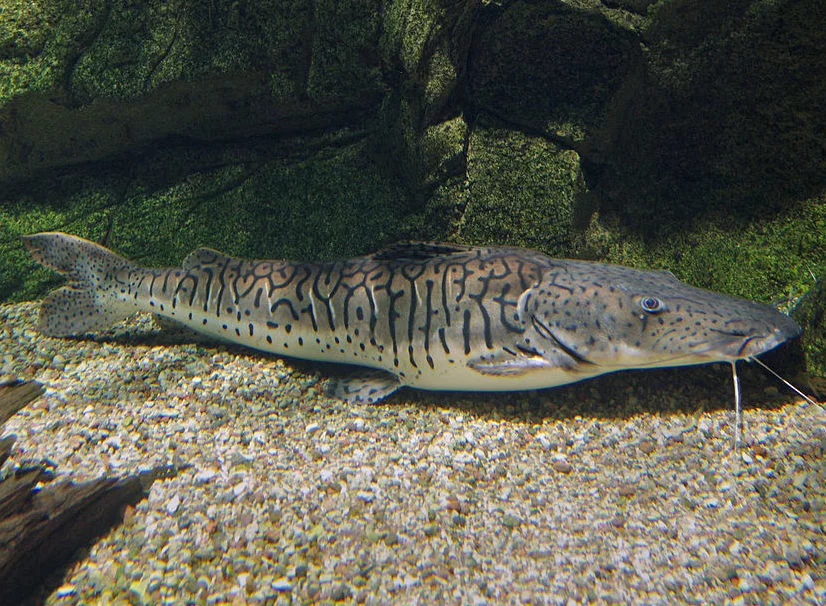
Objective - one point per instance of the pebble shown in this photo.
(301, 571)
(511, 521)
(340, 592)
(627, 490)
(58, 362)
(173, 504)
(806, 582)
(367, 497)
(773, 573)
(205, 476)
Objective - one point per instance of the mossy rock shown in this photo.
(113, 77)
(811, 315)
(125, 50)
(305, 202)
(726, 119)
(521, 191)
(550, 67)
(773, 260)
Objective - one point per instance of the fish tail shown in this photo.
(94, 296)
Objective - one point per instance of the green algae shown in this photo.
(729, 113)
(811, 315)
(345, 52)
(772, 259)
(407, 28)
(38, 43)
(443, 164)
(310, 48)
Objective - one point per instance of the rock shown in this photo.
(340, 592)
(172, 505)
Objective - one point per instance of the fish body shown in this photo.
(430, 316)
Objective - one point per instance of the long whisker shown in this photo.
(784, 381)
(738, 409)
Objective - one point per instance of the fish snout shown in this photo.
(776, 331)
(787, 329)
(748, 337)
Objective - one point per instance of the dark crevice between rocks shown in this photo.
(45, 135)
(153, 68)
(148, 167)
(75, 53)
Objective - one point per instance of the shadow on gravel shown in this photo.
(680, 390)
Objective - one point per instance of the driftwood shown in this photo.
(14, 395)
(40, 530)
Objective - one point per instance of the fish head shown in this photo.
(600, 318)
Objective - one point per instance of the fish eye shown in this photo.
(652, 305)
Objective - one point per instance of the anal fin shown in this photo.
(369, 386)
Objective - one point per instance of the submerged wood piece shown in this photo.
(14, 395)
(40, 530)
(5, 447)
(15, 492)
(57, 521)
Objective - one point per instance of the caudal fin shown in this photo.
(93, 298)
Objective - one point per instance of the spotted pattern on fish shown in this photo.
(432, 316)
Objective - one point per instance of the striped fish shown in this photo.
(430, 316)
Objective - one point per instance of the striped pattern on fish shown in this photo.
(431, 316)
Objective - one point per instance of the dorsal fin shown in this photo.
(201, 257)
(418, 251)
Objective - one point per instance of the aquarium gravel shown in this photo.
(622, 489)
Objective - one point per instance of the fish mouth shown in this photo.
(734, 342)
(739, 345)
(726, 346)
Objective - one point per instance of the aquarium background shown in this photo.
(678, 134)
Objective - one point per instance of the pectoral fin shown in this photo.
(369, 386)
(508, 364)
(522, 360)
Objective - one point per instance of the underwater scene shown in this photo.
(384, 302)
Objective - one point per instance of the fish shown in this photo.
(431, 316)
